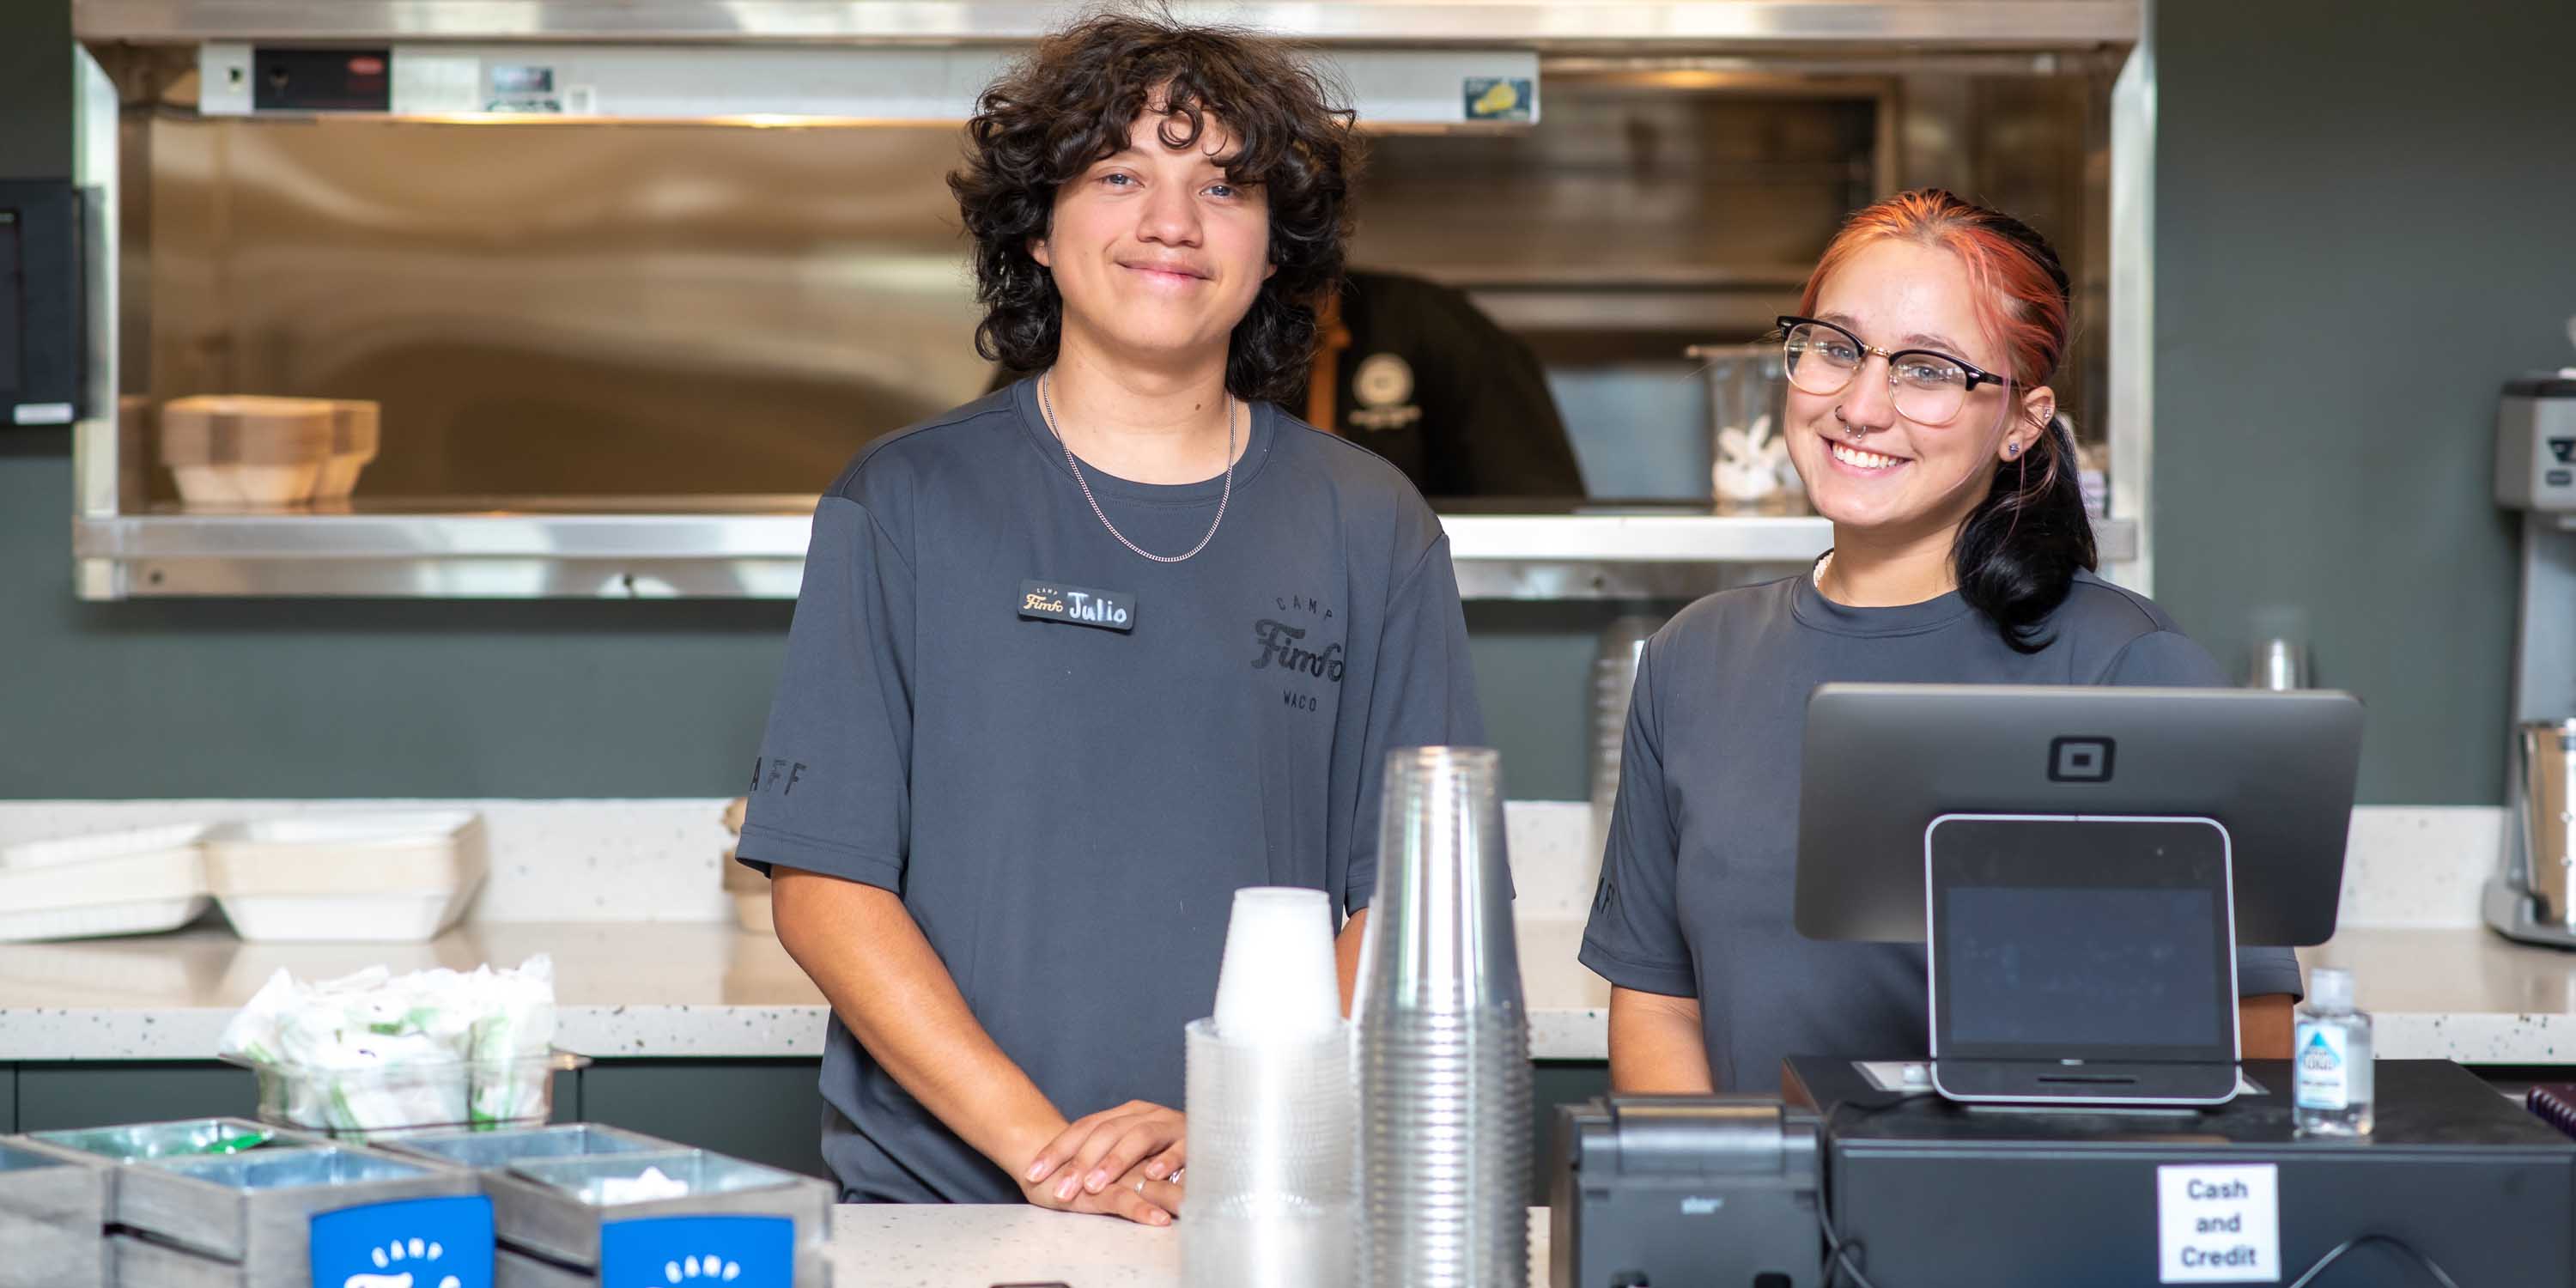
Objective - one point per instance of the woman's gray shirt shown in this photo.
(1695, 895)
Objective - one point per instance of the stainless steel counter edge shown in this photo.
(1688, 24)
(757, 552)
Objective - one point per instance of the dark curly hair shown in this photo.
(1073, 102)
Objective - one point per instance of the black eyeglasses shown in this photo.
(1928, 386)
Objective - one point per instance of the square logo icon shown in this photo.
(2080, 760)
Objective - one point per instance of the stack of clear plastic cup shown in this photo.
(1271, 1201)
(1442, 1038)
(1271, 1185)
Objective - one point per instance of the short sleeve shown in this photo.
(1422, 693)
(2164, 659)
(1634, 939)
(831, 788)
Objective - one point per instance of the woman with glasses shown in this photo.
(1920, 417)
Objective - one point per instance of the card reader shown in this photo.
(1684, 1192)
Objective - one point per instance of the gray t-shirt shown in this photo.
(1067, 807)
(1696, 883)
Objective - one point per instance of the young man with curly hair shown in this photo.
(1074, 663)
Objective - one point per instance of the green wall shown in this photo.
(542, 698)
(2366, 223)
(2364, 227)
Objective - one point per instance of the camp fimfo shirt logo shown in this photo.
(1293, 644)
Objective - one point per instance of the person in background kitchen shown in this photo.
(1415, 372)
(1075, 662)
(1920, 419)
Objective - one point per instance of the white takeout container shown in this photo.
(68, 896)
(103, 845)
(353, 877)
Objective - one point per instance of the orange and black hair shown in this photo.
(2019, 550)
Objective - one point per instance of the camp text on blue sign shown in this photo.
(698, 1252)
(414, 1243)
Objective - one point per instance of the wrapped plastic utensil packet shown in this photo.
(374, 1051)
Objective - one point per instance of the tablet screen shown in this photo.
(2104, 941)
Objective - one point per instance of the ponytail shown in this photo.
(2017, 554)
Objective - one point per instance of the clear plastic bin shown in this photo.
(387, 1101)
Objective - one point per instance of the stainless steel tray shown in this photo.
(181, 1138)
(490, 1150)
(185, 1138)
(255, 1209)
(553, 1206)
(53, 1211)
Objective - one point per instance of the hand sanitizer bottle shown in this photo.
(2330, 1060)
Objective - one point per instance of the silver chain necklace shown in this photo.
(1046, 408)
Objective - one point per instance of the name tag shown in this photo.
(1113, 610)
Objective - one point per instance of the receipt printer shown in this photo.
(1684, 1192)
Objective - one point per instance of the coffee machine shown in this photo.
(2532, 897)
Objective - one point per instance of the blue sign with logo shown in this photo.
(416, 1243)
(698, 1252)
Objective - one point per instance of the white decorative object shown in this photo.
(1753, 464)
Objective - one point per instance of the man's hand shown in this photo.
(1098, 1151)
(1134, 1197)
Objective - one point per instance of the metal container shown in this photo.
(1443, 1036)
(53, 1214)
(141, 1263)
(2548, 796)
(255, 1210)
(486, 1151)
(1615, 663)
(553, 1206)
(514, 1269)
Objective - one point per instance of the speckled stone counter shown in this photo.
(2459, 993)
(625, 896)
(658, 989)
(885, 1246)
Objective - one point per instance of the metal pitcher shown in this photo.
(2548, 796)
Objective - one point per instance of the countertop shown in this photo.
(677, 989)
(657, 989)
(890, 1246)
(2459, 993)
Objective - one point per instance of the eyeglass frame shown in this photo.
(1976, 375)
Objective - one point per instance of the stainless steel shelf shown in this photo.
(1570, 24)
(757, 551)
